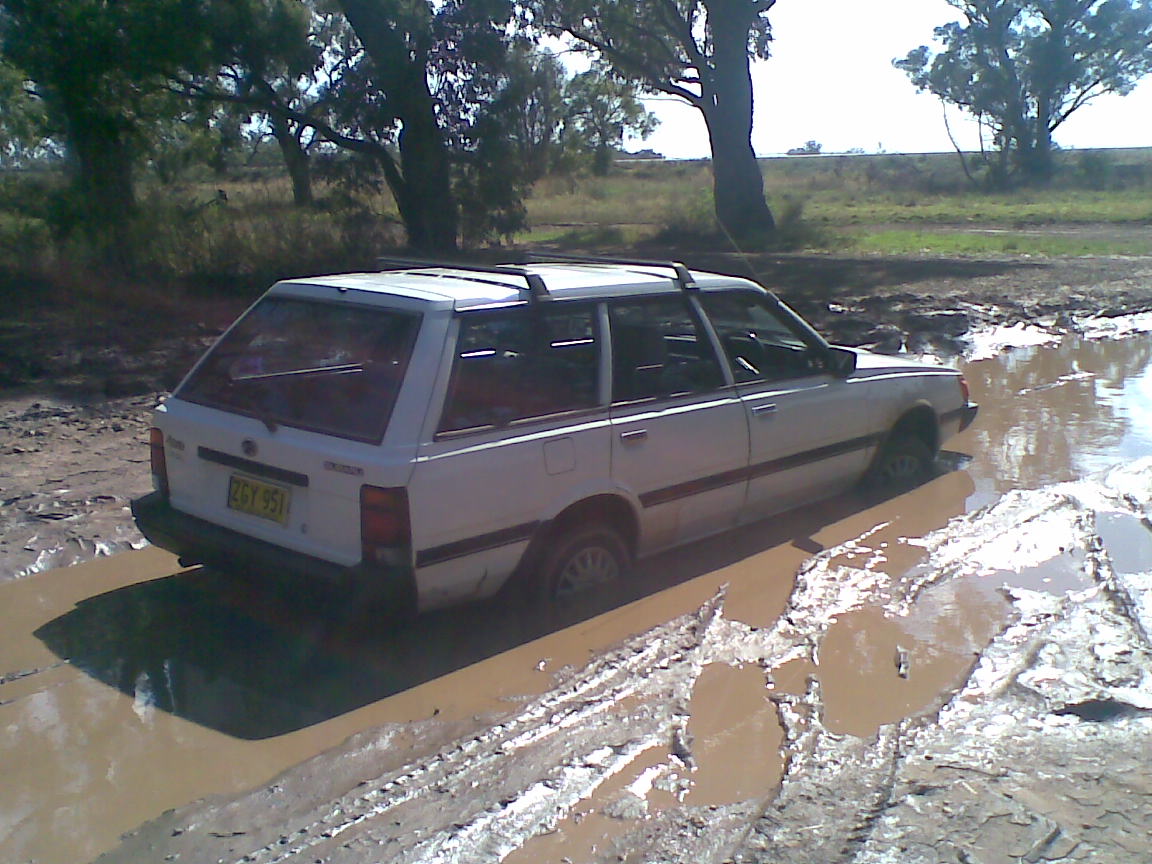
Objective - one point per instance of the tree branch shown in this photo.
(955, 145)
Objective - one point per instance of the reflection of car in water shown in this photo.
(430, 433)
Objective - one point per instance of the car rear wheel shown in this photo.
(582, 568)
(904, 462)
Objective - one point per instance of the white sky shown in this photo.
(831, 79)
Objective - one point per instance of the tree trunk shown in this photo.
(1039, 165)
(103, 171)
(423, 192)
(737, 182)
(295, 160)
(602, 160)
(429, 205)
(102, 161)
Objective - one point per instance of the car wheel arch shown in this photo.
(919, 421)
(607, 509)
(920, 424)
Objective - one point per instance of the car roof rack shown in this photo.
(683, 277)
(537, 290)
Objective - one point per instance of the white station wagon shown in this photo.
(430, 432)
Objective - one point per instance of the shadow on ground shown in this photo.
(253, 662)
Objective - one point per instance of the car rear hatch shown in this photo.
(278, 428)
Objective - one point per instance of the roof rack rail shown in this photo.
(683, 277)
(536, 287)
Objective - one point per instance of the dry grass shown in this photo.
(192, 238)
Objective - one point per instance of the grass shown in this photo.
(897, 198)
(1043, 207)
(191, 238)
(917, 241)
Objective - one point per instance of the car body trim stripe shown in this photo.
(761, 469)
(480, 543)
(523, 532)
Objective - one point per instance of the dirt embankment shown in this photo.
(77, 383)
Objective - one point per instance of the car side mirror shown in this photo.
(840, 362)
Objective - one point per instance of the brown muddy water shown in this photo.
(129, 686)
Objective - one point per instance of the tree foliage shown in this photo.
(273, 59)
(447, 100)
(812, 147)
(601, 110)
(98, 69)
(698, 51)
(23, 124)
(1022, 67)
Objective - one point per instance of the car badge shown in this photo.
(249, 447)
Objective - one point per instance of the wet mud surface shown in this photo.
(70, 470)
(959, 673)
(1039, 752)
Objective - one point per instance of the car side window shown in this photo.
(516, 364)
(659, 350)
(758, 344)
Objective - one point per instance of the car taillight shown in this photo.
(385, 533)
(159, 462)
(964, 390)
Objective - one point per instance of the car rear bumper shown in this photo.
(963, 417)
(968, 415)
(197, 541)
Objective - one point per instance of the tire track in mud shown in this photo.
(19, 675)
(28, 676)
(533, 767)
(992, 761)
(1049, 735)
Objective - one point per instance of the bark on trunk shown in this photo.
(423, 190)
(737, 182)
(104, 171)
(102, 160)
(295, 161)
(428, 206)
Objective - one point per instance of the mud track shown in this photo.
(1039, 756)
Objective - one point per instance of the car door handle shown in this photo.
(634, 435)
(766, 408)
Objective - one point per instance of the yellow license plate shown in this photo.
(266, 500)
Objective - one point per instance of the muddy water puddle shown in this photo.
(175, 685)
(1054, 414)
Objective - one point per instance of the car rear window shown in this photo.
(326, 367)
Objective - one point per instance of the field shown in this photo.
(887, 204)
(232, 236)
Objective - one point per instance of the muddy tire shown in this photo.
(904, 463)
(582, 570)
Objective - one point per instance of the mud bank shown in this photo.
(1035, 752)
(70, 470)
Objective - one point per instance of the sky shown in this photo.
(831, 80)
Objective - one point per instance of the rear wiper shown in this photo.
(317, 370)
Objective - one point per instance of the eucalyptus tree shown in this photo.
(1023, 67)
(699, 51)
(601, 111)
(99, 70)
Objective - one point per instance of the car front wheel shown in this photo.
(905, 462)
